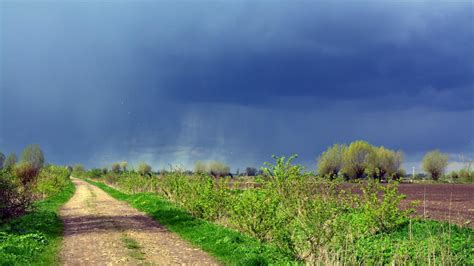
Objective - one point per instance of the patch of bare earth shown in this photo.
(100, 230)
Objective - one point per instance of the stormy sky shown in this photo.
(178, 81)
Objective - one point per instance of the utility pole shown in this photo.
(413, 175)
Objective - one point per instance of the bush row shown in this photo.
(309, 218)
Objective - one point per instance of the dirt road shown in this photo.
(100, 230)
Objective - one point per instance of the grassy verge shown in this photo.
(34, 239)
(226, 245)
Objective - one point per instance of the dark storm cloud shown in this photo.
(177, 81)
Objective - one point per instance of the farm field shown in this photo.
(444, 202)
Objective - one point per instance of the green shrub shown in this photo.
(26, 173)
(52, 180)
(14, 199)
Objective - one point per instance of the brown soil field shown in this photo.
(446, 202)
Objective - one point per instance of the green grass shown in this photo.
(35, 238)
(134, 247)
(228, 246)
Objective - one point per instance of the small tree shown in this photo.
(10, 161)
(332, 161)
(123, 166)
(200, 167)
(218, 169)
(78, 168)
(385, 163)
(33, 155)
(435, 163)
(2, 160)
(144, 168)
(250, 171)
(357, 158)
(115, 167)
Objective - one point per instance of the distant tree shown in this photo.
(331, 162)
(385, 163)
(144, 168)
(357, 158)
(2, 160)
(104, 170)
(33, 155)
(218, 169)
(10, 161)
(435, 163)
(115, 167)
(123, 166)
(250, 171)
(200, 167)
(78, 168)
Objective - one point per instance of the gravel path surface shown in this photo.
(100, 230)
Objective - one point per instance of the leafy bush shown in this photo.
(435, 163)
(14, 199)
(26, 173)
(52, 180)
(312, 219)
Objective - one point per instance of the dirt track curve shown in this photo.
(100, 230)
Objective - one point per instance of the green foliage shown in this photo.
(52, 180)
(115, 167)
(123, 166)
(218, 169)
(435, 163)
(34, 238)
(214, 168)
(200, 167)
(15, 200)
(227, 245)
(385, 163)
(357, 158)
(78, 168)
(10, 161)
(33, 155)
(306, 218)
(331, 162)
(26, 173)
(144, 168)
